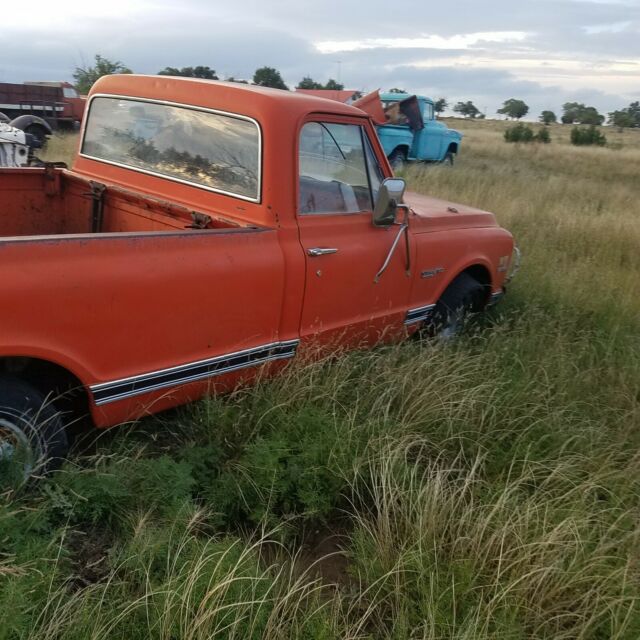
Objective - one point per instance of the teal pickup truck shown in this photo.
(408, 129)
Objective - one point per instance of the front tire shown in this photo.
(32, 436)
(449, 159)
(461, 298)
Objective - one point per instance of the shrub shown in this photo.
(543, 136)
(524, 133)
(587, 136)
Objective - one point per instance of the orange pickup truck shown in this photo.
(208, 231)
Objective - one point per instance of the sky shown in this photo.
(545, 52)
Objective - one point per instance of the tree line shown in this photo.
(572, 112)
(85, 77)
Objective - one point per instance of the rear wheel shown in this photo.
(397, 159)
(462, 297)
(32, 436)
(39, 133)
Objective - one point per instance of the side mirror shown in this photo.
(389, 196)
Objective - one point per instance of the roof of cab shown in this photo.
(245, 99)
(393, 96)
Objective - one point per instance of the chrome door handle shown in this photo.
(320, 251)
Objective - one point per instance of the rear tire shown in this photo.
(398, 160)
(32, 436)
(461, 298)
(38, 132)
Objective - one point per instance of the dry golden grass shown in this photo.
(61, 147)
(574, 211)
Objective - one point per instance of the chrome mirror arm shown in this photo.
(404, 228)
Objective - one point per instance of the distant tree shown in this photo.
(396, 90)
(626, 118)
(621, 119)
(578, 113)
(269, 77)
(467, 109)
(190, 72)
(591, 116)
(333, 85)
(238, 80)
(308, 83)
(571, 112)
(513, 108)
(440, 105)
(634, 111)
(86, 76)
(548, 117)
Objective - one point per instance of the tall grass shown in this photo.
(486, 489)
(61, 147)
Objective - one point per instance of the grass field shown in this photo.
(486, 489)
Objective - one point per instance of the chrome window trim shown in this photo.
(329, 213)
(191, 107)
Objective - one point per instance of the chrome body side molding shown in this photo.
(106, 392)
(419, 314)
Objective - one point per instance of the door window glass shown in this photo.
(332, 169)
(428, 111)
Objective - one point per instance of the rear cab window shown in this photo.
(217, 151)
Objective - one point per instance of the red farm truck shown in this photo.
(208, 232)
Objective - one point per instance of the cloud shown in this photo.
(458, 41)
(546, 52)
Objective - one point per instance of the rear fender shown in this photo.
(25, 121)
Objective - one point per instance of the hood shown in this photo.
(433, 214)
(372, 106)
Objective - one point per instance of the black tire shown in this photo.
(38, 132)
(462, 297)
(449, 159)
(32, 437)
(397, 160)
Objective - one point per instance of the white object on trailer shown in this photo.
(14, 148)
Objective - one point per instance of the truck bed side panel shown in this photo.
(115, 306)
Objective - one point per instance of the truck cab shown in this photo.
(411, 132)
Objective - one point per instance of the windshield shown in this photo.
(216, 151)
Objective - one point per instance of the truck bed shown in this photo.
(53, 201)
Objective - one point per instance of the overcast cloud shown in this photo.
(543, 51)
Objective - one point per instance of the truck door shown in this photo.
(428, 141)
(339, 176)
